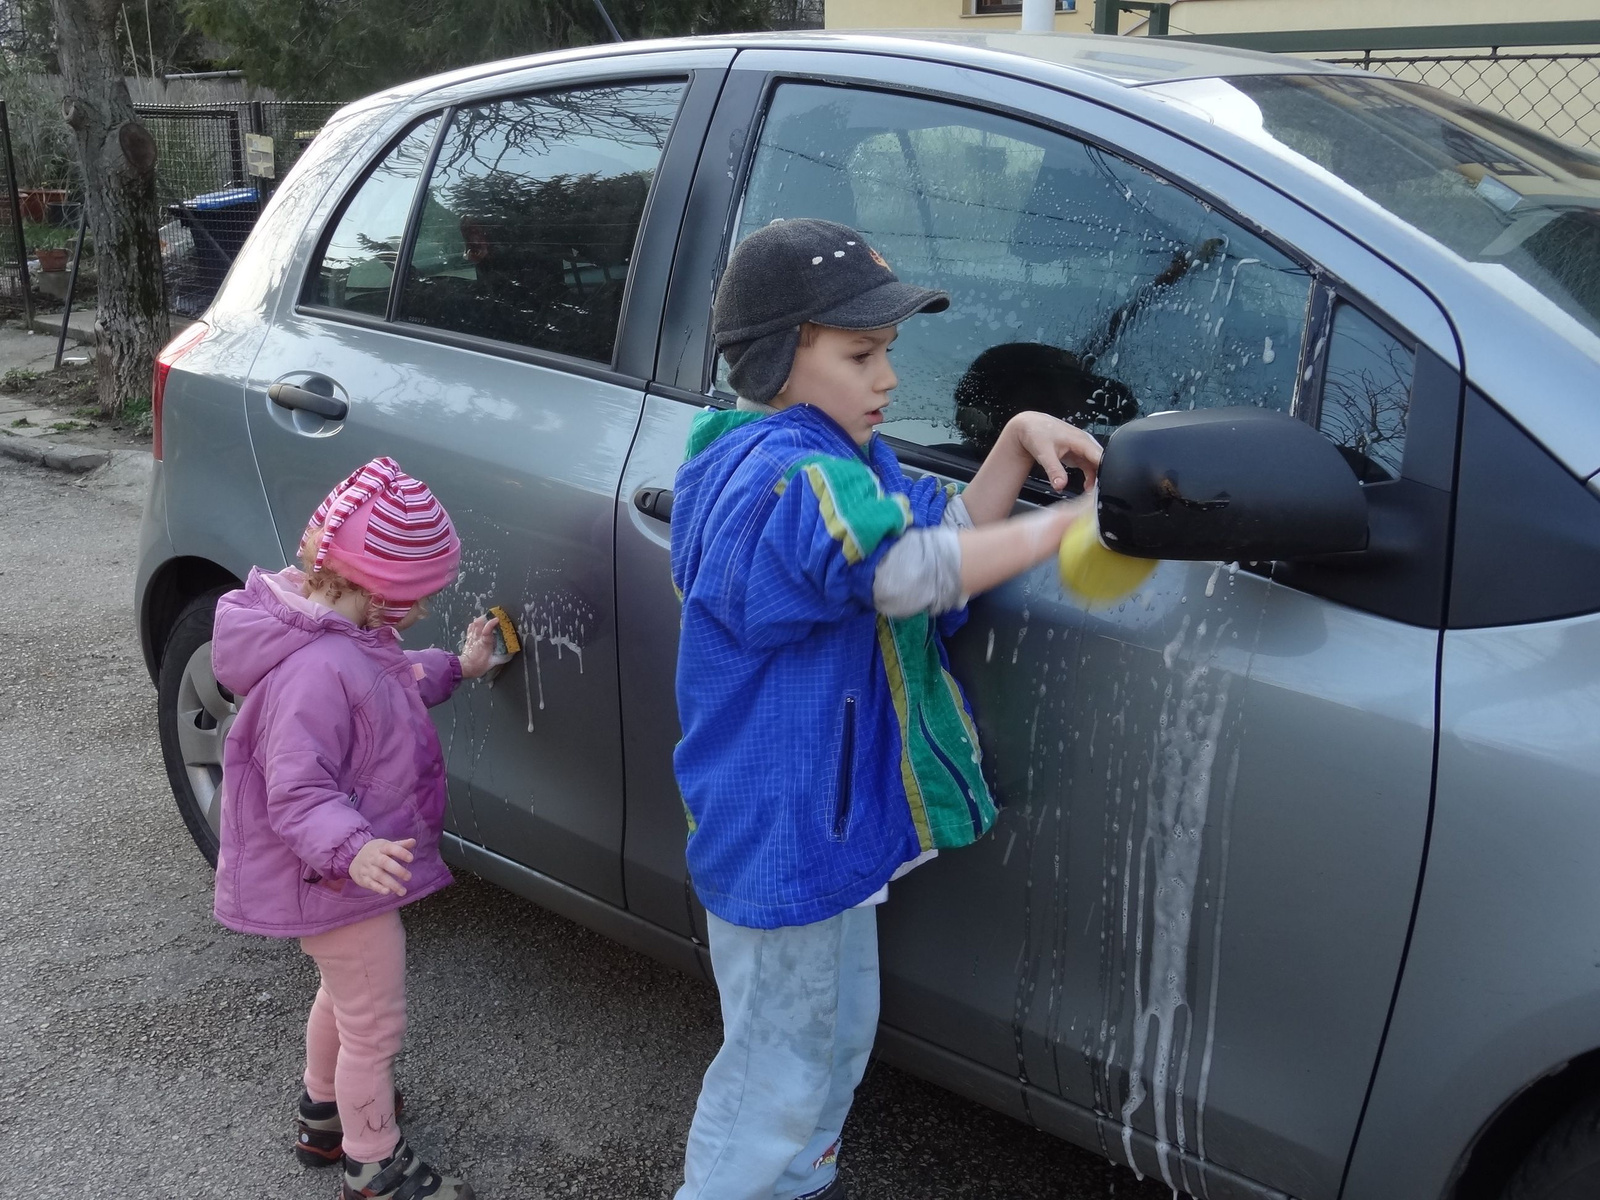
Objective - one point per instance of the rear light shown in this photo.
(175, 349)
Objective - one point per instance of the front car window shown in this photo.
(1493, 191)
(1081, 284)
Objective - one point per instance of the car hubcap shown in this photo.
(205, 714)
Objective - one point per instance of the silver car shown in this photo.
(1295, 890)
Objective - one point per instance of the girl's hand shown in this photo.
(477, 647)
(378, 867)
(1056, 446)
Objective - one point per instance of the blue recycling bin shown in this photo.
(219, 222)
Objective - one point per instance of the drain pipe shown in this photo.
(1038, 16)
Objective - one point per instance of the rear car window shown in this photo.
(530, 217)
(1081, 284)
(356, 265)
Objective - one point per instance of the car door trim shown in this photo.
(482, 345)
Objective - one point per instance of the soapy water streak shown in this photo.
(557, 619)
(1163, 886)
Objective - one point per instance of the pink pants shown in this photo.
(356, 1027)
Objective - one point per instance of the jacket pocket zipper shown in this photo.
(847, 755)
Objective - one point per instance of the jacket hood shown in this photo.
(711, 423)
(267, 620)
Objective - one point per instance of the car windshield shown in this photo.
(1523, 205)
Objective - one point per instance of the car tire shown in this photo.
(194, 714)
(1565, 1163)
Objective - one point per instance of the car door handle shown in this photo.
(654, 502)
(287, 395)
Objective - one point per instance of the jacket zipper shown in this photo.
(847, 754)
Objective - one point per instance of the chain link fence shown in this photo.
(1557, 93)
(213, 177)
(217, 166)
(13, 274)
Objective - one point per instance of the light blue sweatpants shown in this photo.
(799, 1013)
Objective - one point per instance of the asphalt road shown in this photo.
(145, 1051)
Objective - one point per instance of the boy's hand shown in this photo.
(378, 867)
(477, 647)
(1055, 446)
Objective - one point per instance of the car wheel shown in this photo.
(1565, 1163)
(195, 713)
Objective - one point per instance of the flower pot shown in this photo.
(51, 259)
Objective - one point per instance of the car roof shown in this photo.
(1129, 61)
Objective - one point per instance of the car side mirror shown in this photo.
(1228, 484)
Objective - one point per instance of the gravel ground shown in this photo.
(145, 1051)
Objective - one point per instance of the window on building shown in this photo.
(985, 8)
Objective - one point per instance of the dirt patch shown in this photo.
(68, 393)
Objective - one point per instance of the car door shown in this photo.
(1181, 940)
(482, 304)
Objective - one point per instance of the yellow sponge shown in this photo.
(506, 643)
(505, 629)
(1094, 574)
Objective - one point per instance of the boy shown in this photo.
(826, 748)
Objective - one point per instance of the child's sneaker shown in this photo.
(319, 1135)
(401, 1176)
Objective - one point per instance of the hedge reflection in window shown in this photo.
(1081, 284)
(531, 215)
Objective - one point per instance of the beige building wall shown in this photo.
(1217, 16)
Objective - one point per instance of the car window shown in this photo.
(531, 213)
(1366, 393)
(356, 265)
(1081, 284)
(1494, 191)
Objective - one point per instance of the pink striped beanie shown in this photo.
(386, 532)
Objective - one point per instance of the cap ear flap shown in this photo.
(759, 369)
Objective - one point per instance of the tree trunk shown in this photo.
(118, 157)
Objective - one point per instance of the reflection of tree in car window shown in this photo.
(532, 213)
(1366, 394)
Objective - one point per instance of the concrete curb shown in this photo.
(80, 329)
(50, 323)
(58, 456)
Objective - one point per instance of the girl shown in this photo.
(335, 796)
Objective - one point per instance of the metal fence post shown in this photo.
(236, 150)
(16, 215)
(1105, 16)
(72, 286)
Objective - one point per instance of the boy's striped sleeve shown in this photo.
(817, 553)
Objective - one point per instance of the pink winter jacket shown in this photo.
(332, 748)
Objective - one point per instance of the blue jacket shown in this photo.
(823, 744)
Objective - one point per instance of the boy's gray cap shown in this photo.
(794, 271)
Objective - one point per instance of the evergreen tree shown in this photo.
(317, 49)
